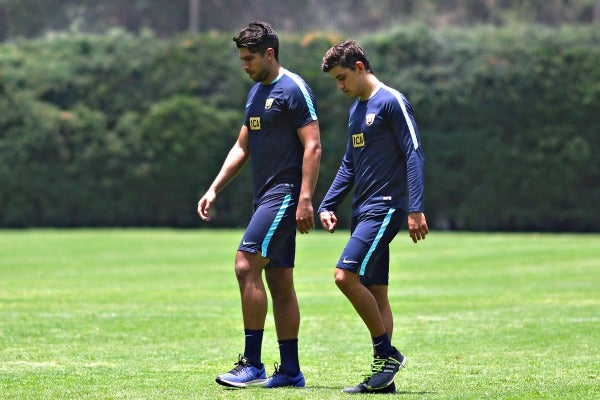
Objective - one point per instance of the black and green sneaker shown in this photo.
(362, 388)
(384, 370)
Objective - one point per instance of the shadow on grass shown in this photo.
(414, 392)
(397, 392)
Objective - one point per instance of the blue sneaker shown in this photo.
(280, 379)
(243, 375)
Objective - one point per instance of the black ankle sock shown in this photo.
(253, 346)
(288, 351)
(383, 345)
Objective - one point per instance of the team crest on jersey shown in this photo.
(255, 123)
(269, 103)
(358, 140)
(370, 119)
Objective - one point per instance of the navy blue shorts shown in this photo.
(367, 252)
(271, 231)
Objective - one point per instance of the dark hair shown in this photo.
(345, 54)
(258, 37)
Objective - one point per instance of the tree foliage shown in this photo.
(129, 130)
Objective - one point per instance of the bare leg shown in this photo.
(362, 299)
(248, 270)
(380, 292)
(286, 311)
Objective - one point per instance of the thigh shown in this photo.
(379, 273)
(367, 250)
(271, 231)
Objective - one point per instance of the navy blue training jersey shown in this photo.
(274, 112)
(383, 161)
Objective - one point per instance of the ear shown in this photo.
(360, 66)
(270, 53)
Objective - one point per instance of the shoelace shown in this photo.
(277, 368)
(239, 365)
(378, 364)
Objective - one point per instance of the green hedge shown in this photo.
(122, 130)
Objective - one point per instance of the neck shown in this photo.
(272, 75)
(371, 84)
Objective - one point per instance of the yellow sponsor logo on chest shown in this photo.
(358, 140)
(255, 123)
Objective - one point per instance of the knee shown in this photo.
(341, 278)
(244, 270)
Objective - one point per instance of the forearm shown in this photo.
(341, 185)
(415, 181)
(310, 171)
(310, 138)
(233, 164)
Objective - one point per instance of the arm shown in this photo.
(310, 138)
(416, 221)
(410, 143)
(341, 185)
(236, 159)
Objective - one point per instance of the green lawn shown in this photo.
(155, 314)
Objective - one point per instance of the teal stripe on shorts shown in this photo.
(275, 224)
(380, 233)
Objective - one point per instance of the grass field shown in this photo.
(155, 314)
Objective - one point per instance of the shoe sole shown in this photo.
(362, 388)
(299, 384)
(293, 385)
(240, 385)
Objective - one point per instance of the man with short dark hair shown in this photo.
(384, 163)
(280, 136)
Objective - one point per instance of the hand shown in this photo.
(305, 219)
(328, 220)
(205, 203)
(417, 226)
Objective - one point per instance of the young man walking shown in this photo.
(280, 136)
(384, 163)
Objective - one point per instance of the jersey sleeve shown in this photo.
(407, 137)
(301, 103)
(341, 185)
